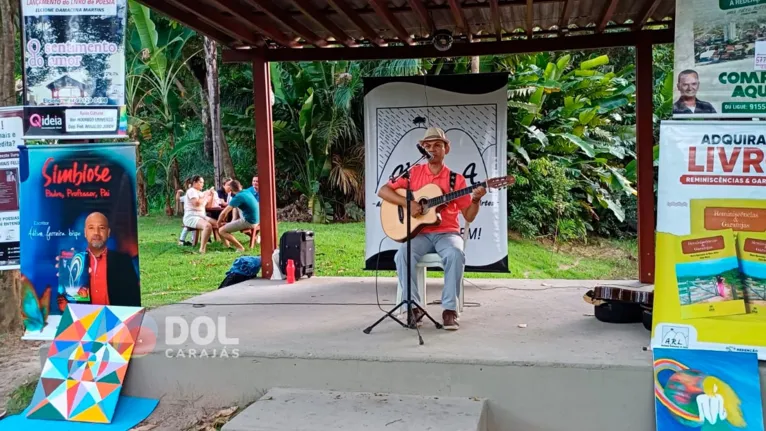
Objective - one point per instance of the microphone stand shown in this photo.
(409, 302)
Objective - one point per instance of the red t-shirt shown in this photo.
(420, 175)
(99, 294)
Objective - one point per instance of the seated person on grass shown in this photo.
(247, 205)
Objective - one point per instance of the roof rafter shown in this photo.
(607, 15)
(208, 14)
(189, 20)
(565, 12)
(382, 10)
(425, 18)
(646, 14)
(495, 10)
(343, 8)
(311, 12)
(530, 18)
(256, 23)
(459, 15)
(278, 14)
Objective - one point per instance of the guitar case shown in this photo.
(297, 245)
(620, 305)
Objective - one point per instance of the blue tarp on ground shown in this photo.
(129, 413)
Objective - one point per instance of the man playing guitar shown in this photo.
(444, 239)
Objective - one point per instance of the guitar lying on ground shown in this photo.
(430, 197)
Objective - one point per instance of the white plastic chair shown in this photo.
(431, 260)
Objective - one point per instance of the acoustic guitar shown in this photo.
(430, 197)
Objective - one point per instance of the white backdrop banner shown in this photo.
(472, 110)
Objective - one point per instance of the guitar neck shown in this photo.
(443, 199)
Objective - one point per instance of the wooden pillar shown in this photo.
(644, 155)
(264, 144)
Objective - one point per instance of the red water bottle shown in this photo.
(290, 271)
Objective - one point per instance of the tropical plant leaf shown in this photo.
(538, 135)
(586, 147)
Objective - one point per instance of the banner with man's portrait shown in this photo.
(716, 74)
(79, 233)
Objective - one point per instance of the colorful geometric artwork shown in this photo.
(87, 362)
(706, 390)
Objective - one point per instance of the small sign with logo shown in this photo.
(67, 122)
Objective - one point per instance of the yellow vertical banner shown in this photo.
(710, 283)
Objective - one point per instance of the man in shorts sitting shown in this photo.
(249, 210)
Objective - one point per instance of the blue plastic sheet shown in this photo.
(130, 412)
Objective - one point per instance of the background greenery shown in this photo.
(571, 129)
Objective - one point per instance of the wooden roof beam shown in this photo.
(459, 15)
(311, 12)
(607, 15)
(189, 20)
(343, 8)
(422, 12)
(209, 15)
(647, 13)
(495, 11)
(566, 12)
(381, 8)
(256, 23)
(278, 14)
(530, 18)
(544, 44)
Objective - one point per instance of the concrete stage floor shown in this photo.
(324, 318)
(563, 371)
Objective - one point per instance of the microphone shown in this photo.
(425, 152)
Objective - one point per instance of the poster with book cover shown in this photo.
(710, 284)
(79, 225)
(74, 69)
(718, 72)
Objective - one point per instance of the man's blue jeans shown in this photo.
(449, 246)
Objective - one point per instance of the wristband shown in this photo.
(476, 201)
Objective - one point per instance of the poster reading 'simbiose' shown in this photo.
(710, 289)
(78, 224)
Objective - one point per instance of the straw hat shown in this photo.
(435, 134)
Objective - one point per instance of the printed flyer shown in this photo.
(11, 130)
(710, 285)
(717, 74)
(79, 224)
(74, 69)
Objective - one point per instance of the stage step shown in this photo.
(308, 410)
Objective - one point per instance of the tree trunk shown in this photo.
(143, 204)
(475, 63)
(8, 53)
(207, 143)
(10, 281)
(222, 163)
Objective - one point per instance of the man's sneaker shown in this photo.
(450, 320)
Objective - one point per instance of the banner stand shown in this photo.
(472, 110)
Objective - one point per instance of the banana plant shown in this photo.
(164, 59)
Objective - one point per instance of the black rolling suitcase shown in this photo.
(297, 245)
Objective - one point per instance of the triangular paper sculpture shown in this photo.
(83, 376)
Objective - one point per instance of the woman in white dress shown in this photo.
(195, 201)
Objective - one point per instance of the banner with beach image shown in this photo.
(710, 283)
(716, 74)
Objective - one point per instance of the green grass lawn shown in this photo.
(172, 273)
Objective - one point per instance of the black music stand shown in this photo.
(409, 302)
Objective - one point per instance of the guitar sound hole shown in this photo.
(401, 215)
